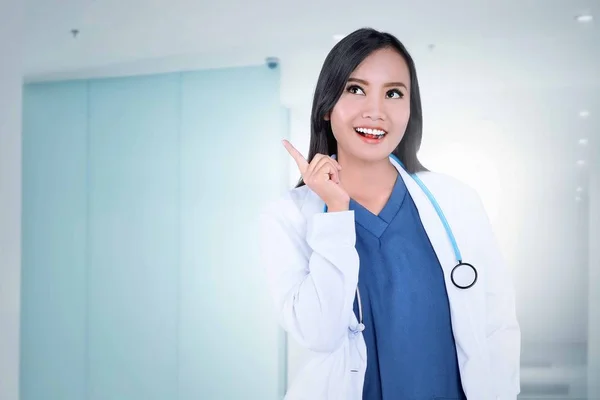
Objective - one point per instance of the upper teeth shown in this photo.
(371, 131)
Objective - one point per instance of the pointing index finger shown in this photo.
(297, 156)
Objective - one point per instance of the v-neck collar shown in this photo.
(313, 204)
(377, 224)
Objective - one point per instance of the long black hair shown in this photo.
(341, 61)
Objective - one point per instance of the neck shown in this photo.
(366, 179)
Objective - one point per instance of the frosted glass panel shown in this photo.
(231, 152)
(140, 268)
(53, 292)
(134, 238)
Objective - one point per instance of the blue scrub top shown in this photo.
(411, 353)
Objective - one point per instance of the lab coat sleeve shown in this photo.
(502, 328)
(313, 277)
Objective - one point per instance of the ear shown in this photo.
(327, 116)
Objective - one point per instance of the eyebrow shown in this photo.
(362, 81)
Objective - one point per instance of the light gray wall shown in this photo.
(10, 196)
(594, 279)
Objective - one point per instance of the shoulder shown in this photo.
(291, 217)
(446, 184)
(288, 206)
(452, 193)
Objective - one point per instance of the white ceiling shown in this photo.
(524, 37)
(524, 66)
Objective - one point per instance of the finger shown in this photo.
(337, 164)
(297, 156)
(313, 163)
(333, 160)
(320, 159)
(336, 167)
(331, 168)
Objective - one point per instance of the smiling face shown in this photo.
(370, 118)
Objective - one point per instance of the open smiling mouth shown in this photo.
(373, 135)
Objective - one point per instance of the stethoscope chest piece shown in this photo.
(463, 275)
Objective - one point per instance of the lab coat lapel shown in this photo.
(460, 305)
(435, 231)
(431, 222)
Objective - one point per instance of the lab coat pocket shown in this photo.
(324, 376)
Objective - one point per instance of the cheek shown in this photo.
(400, 118)
(342, 116)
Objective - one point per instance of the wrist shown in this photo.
(338, 207)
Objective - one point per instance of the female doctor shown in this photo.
(389, 275)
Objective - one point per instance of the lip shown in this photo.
(371, 140)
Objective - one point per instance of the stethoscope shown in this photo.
(462, 268)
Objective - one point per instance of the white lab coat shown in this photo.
(312, 269)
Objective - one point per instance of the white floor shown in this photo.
(548, 371)
(552, 382)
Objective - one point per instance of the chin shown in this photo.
(372, 154)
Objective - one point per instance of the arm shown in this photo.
(313, 295)
(502, 328)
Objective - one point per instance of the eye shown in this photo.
(395, 94)
(355, 89)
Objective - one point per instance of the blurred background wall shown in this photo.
(140, 140)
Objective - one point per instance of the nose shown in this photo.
(374, 109)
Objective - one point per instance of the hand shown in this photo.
(322, 176)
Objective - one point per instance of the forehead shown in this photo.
(383, 65)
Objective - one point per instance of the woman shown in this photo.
(360, 262)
